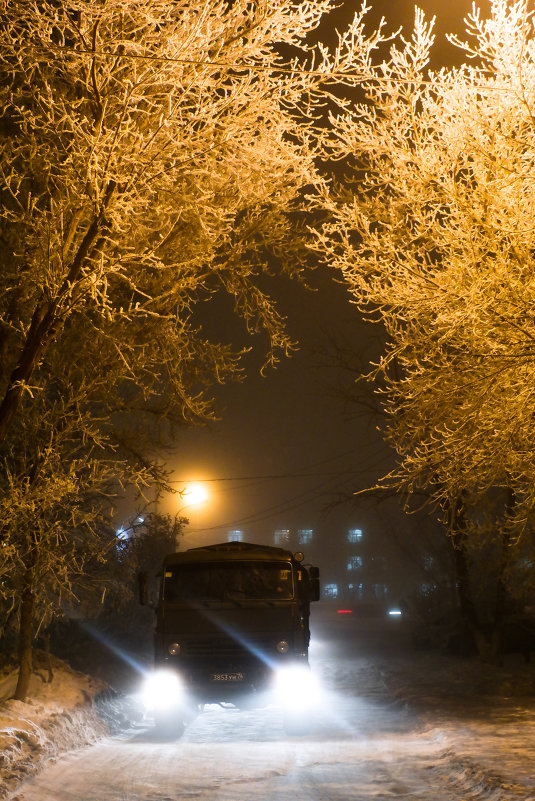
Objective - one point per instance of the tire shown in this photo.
(297, 724)
(169, 727)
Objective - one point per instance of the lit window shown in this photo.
(282, 536)
(304, 536)
(330, 590)
(354, 535)
(235, 535)
(354, 562)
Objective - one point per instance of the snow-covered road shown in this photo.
(358, 749)
(363, 745)
(231, 771)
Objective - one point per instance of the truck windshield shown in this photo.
(229, 581)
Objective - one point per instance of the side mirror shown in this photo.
(314, 573)
(143, 589)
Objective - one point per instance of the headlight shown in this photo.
(162, 689)
(295, 685)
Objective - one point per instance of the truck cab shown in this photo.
(231, 618)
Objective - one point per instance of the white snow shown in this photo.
(55, 718)
(393, 724)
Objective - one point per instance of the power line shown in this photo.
(270, 511)
(278, 476)
(269, 477)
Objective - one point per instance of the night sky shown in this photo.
(287, 448)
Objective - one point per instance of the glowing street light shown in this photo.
(193, 495)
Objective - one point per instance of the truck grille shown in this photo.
(226, 647)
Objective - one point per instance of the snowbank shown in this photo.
(482, 714)
(71, 711)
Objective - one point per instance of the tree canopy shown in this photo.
(437, 243)
(432, 227)
(154, 155)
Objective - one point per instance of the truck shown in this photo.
(232, 626)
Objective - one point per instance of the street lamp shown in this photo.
(193, 495)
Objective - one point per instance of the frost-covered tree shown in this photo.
(434, 233)
(153, 155)
(61, 467)
(149, 158)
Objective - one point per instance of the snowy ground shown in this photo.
(483, 716)
(393, 724)
(72, 711)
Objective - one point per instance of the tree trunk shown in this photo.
(500, 600)
(46, 642)
(41, 322)
(45, 322)
(462, 575)
(485, 645)
(486, 638)
(25, 638)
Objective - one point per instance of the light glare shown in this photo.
(194, 494)
(162, 689)
(296, 686)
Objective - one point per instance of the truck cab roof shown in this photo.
(229, 551)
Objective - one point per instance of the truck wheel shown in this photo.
(297, 724)
(169, 727)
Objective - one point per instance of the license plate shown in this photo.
(227, 677)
